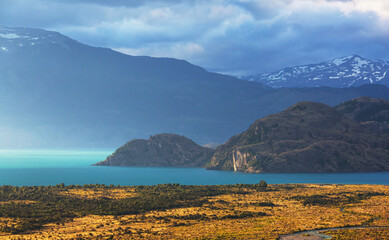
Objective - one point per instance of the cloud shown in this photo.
(230, 36)
(175, 50)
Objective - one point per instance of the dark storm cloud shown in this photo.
(230, 36)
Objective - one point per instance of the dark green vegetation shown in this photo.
(160, 150)
(312, 137)
(203, 217)
(263, 204)
(337, 200)
(36, 206)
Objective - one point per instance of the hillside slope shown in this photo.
(160, 150)
(307, 137)
(371, 112)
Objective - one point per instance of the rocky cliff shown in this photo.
(160, 150)
(307, 137)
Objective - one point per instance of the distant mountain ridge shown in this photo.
(57, 92)
(349, 71)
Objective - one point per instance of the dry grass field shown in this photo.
(224, 212)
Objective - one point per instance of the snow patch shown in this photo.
(339, 61)
(9, 35)
(380, 78)
(359, 62)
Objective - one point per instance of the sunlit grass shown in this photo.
(235, 212)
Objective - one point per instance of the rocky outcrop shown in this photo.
(160, 150)
(307, 137)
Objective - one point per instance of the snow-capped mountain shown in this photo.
(350, 71)
(12, 39)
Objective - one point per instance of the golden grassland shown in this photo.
(99, 193)
(245, 214)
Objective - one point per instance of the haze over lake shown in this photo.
(55, 166)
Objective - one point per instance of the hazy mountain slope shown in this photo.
(60, 87)
(56, 92)
(350, 71)
(307, 137)
(160, 150)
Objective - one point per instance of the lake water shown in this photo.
(51, 167)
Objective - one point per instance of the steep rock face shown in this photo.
(307, 137)
(160, 150)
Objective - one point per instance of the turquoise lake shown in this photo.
(51, 167)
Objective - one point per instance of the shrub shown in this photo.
(263, 184)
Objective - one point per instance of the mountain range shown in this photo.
(349, 71)
(57, 92)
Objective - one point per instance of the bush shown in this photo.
(262, 184)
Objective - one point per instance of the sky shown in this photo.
(237, 37)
